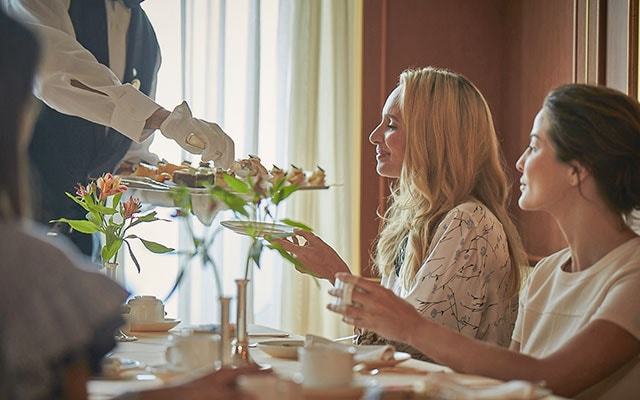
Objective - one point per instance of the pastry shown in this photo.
(201, 177)
(166, 167)
(249, 167)
(317, 178)
(148, 170)
(219, 178)
(277, 174)
(296, 176)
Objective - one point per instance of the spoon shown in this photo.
(342, 339)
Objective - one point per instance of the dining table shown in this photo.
(143, 366)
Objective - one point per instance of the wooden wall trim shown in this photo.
(374, 71)
(632, 50)
(590, 41)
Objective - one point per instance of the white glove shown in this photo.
(199, 137)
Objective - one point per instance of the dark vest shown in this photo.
(67, 150)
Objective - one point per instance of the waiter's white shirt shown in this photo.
(63, 59)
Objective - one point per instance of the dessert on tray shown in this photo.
(202, 176)
(205, 175)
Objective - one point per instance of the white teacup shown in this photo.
(325, 367)
(187, 351)
(347, 292)
(145, 309)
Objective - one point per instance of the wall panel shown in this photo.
(514, 51)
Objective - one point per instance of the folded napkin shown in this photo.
(362, 353)
(447, 386)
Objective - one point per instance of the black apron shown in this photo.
(67, 150)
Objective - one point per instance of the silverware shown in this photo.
(365, 370)
(342, 339)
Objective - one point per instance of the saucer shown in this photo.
(281, 348)
(159, 326)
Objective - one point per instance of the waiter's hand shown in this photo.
(198, 136)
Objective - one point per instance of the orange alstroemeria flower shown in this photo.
(109, 185)
(131, 207)
(81, 190)
(84, 191)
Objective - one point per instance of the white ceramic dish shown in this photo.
(281, 348)
(160, 326)
(260, 229)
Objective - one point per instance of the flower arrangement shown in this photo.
(107, 214)
(255, 200)
(253, 194)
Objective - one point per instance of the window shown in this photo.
(253, 66)
(222, 58)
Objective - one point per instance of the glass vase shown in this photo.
(240, 355)
(110, 269)
(225, 332)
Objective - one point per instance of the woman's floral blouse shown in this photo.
(463, 281)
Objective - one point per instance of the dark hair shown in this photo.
(599, 127)
(19, 52)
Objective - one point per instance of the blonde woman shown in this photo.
(447, 245)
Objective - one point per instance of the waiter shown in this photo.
(97, 81)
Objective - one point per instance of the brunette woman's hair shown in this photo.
(599, 128)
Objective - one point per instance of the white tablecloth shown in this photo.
(149, 350)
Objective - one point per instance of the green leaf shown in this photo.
(278, 185)
(296, 224)
(182, 198)
(299, 266)
(110, 249)
(236, 203)
(133, 257)
(176, 284)
(236, 184)
(145, 218)
(155, 247)
(99, 208)
(255, 251)
(116, 200)
(80, 225)
(78, 200)
(286, 192)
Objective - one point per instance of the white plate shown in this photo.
(259, 229)
(281, 348)
(398, 357)
(160, 326)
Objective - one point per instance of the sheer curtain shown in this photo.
(280, 77)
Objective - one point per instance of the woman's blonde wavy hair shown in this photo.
(451, 155)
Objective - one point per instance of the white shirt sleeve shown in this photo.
(63, 60)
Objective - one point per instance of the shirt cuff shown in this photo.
(132, 110)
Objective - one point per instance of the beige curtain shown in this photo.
(323, 129)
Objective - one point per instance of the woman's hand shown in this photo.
(376, 308)
(317, 256)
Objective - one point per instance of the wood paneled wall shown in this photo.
(514, 51)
